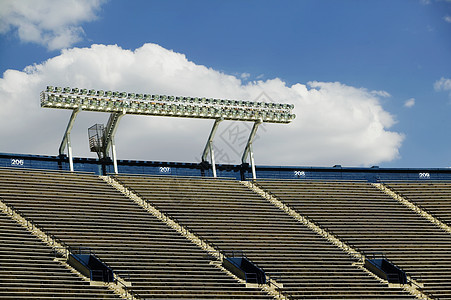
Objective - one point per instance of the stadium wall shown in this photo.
(240, 172)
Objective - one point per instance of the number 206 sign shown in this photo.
(17, 162)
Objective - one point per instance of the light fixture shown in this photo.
(163, 105)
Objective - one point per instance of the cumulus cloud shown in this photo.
(335, 124)
(51, 23)
(409, 103)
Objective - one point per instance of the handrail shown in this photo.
(409, 278)
(270, 279)
(186, 229)
(68, 249)
(422, 289)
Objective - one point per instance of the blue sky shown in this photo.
(389, 60)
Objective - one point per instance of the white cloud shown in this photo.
(245, 76)
(335, 124)
(447, 18)
(409, 103)
(383, 94)
(443, 84)
(51, 23)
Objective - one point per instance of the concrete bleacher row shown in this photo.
(358, 213)
(433, 196)
(82, 210)
(233, 217)
(28, 269)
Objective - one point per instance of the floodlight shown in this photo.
(192, 107)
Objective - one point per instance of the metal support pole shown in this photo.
(248, 150)
(213, 163)
(66, 136)
(113, 150)
(66, 139)
(210, 138)
(250, 140)
(251, 153)
(69, 151)
(209, 146)
(110, 130)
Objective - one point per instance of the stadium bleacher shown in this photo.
(361, 215)
(232, 217)
(28, 269)
(82, 210)
(433, 196)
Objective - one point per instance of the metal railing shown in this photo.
(410, 279)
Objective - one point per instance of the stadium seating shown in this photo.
(28, 269)
(432, 196)
(233, 217)
(82, 210)
(361, 215)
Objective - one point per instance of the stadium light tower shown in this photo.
(119, 104)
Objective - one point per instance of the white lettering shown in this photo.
(165, 170)
(424, 175)
(299, 173)
(17, 162)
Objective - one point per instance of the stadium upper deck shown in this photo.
(240, 172)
